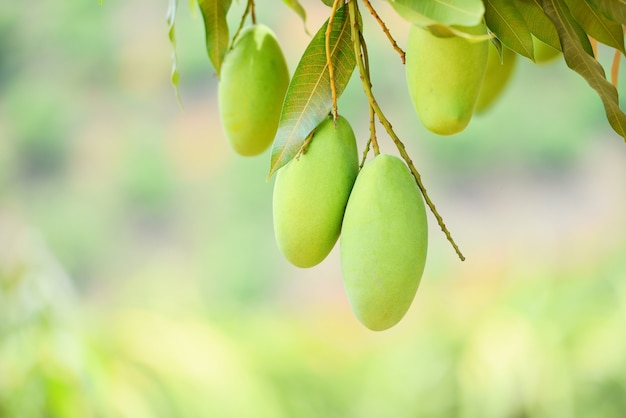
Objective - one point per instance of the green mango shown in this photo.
(444, 77)
(497, 76)
(384, 238)
(543, 53)
(252, 86)
(311, 192)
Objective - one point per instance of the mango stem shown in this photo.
(360, 46)
(329, 61)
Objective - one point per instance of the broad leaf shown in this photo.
(309, 99)
(445, 12)
(596, 24)
(297, 7)
(507, 23)
(171, 33)
(538, 23)
(584, 64)
(216, 29)
(328, 3)
(612, 9)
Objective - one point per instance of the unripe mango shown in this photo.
(497, 76)
(311, 193)
(253, 83)
(444, 76)
(543, 53)
(384, 238)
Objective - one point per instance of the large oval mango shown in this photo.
(311, 192)
(497, 75)
(384, 238)
(444, 76)
(253, 82)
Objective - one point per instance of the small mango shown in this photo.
(497, 75)
(252, 86)
(311, 193)
(544, 53)
(384, 238)
(444, 77)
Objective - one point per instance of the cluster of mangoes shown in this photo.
(451, 77)
(378, 212)
(321, 194)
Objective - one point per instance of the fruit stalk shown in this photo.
(394, 44)
(249, 10)
(329, 61)
(358, 47)
(363, 55)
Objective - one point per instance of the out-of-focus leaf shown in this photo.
(216, 29)
(538, 23)
(612, 9)
(507, 23)
(171, 20)
(596, 24)
(435, 27)
(328, 3)
(579, 60)
(297, 7)
(309, 97)
(448, 12)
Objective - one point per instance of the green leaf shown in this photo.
(596, 24)
(579, 60)
(328, 3)
(309, 98)
(171, 33)
(446, 12)
(539, 24)
(216, 29)
(297, 7)
(503, 18)
(612, 9)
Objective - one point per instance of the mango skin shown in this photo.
(311, 193)
(497, 76)
(253, 82)
(543, 53)
(444, 77)
(384, 239)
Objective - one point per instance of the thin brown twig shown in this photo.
(358, 47)
(385, 30)
(365, 152)
(366, 60)
(617, 59)
(249, 7)
(252, 13)
(329, 61)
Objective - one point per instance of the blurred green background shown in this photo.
(139, 276)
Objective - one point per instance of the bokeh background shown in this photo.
(139, 276)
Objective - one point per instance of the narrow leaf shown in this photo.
(446, 12)
(309, 99)
(171, 33)
(297, 7)
(584, 64)
(216, 29)
(507, 23)
(596, 24)
(539, 24)
(612, 9)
